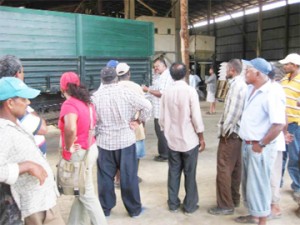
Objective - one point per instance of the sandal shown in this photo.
(208, 113)
(274, 216)
(246, 219)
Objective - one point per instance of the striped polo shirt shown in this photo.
(292, 92)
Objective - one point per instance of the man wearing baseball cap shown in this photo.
(291, 86)
(261, 123)
(11, 66)
(116, 107)
(123, 73)
(21, 163)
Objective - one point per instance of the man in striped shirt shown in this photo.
(229, 150)
(291, 86)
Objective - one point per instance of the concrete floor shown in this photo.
(154, 186)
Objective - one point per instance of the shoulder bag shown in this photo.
(71, 176)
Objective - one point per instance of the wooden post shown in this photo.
(259, 30)
(126, 9)
(99, 7)
(184, 34)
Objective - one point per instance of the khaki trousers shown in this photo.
(49, 217)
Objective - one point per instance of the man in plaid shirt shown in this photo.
(116, 107)
(229, 150)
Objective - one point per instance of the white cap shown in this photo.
(122, 68)
(291, 58)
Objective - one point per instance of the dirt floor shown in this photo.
(154, 185)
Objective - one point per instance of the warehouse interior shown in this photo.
(219, 30)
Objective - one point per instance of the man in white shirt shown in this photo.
(262, 121)
(165, 80)
(181, 121)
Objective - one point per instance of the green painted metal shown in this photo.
(37, 33)
(106, 37)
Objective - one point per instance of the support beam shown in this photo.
(176, 15)
(259, 30)
(208, 16)
(126, 9)
(173, 2)
(286, 29)
(154, 12)
(132, 9)
(79, 6)
(99, 7)
(184, 34)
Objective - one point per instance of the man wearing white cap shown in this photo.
(116, 107)
(123, 73)
(291, 86)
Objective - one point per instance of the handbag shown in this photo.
(71, 176)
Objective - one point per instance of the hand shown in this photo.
(75, 147)
(33, 169)
(257, 148)
(145, 88)
(202, 146)
(134, 124)
(288, 137)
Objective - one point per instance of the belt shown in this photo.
(251, 142)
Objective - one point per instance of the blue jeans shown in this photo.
(293, 155)
(108, 163)
(140, 149)
(256, 176)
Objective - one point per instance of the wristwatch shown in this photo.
(261, 144)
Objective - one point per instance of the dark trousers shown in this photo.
(9, 211)
(162, 144)
(229, 171)
(186, 162)
(108, 163)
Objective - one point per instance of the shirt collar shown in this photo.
(180, 82)
(5, 122)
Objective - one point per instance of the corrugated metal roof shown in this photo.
(198, 9)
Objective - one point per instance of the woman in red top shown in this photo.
(74, 124)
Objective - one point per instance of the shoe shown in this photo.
(187, 213)
(190, 213)
(173, 210)
(296, 196)
(246, 219)
(158, 158)
(107, 214)
(141, 213)
(140, 179)
(298, 212)
(220, 211)
(274, 216)
(236, 204)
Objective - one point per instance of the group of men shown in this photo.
(251, 131)
(260, 120)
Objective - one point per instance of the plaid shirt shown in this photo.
(18, 146)
(116, 106)
(233, 107)
(160, 83)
